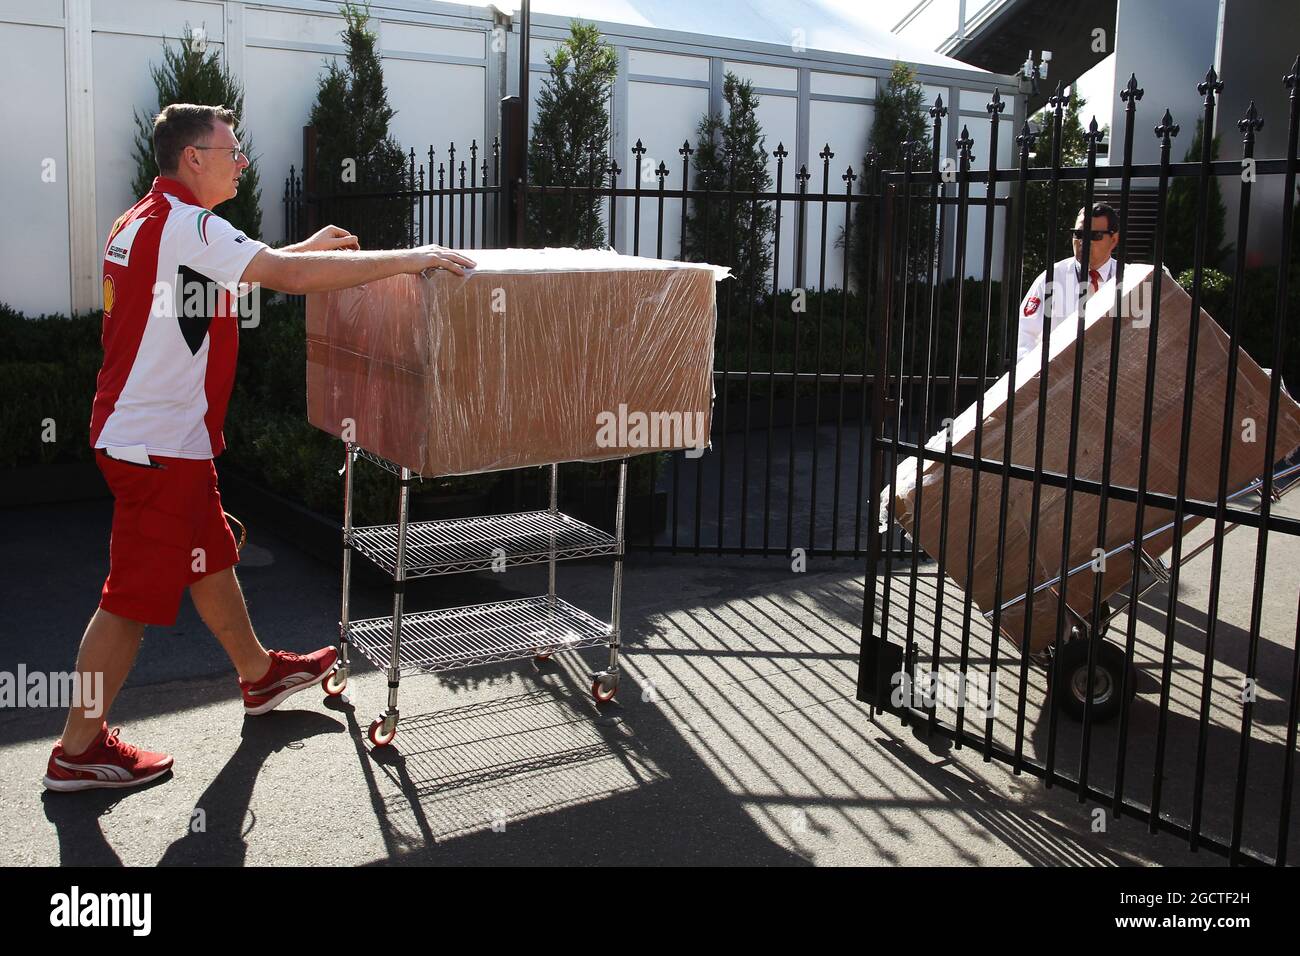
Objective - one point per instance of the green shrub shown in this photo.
(48, 371)
(1257, 322)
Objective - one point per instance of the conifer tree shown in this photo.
(1180, 215)
(1074, 152)
(900, 117)
(730, 154)
(569, 145)
(191, 74)
(355, 153)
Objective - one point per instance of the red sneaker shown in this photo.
(107, 762)
(289, 674)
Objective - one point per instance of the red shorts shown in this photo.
(168, 532)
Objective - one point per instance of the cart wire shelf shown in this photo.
(471, 544)
(452, 638)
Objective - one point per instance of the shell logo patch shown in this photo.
(110, 294)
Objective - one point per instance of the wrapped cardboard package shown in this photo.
(1246, 462)
(536, 356)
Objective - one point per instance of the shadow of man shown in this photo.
(76, 819)
(216, 834)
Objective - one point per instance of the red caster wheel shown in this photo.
(336, 682)
(379, 736)
(604, 687)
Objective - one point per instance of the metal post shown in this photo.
(399, 588)
(554, 510)
(616, 603)
(349, 457)
(310, 222)
(514, 147)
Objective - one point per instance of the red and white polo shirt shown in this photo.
(171, 329)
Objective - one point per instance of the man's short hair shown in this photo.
(180, 125)
(1107, 210)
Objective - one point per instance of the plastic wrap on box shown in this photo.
(534, 357)
(1247, 459)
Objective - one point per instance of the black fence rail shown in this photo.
(1203, 698)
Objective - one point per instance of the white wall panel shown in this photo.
(34, 253)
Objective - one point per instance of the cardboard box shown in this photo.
(537, 356)
(1247, 457)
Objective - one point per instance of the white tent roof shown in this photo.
(826, 26)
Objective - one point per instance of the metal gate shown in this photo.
(1173, 699)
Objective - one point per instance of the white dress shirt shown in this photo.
(1065, 300)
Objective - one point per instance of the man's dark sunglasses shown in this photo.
(1097, 235)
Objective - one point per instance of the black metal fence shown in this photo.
(452, 202)
(787, 465)
(791, 382)
(1187, 719)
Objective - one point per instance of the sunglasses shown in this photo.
(1096, 235)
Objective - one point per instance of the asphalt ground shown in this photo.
(735, 737)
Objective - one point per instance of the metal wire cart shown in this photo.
(429, 642)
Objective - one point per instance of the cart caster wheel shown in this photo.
(336, 683)
(604, 688)
(379, 736)
(1070, 677)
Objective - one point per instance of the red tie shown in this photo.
(1096, 279)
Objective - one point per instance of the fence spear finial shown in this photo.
(1167, 128)
(964, 144)
(1025, 140)
(1211, 86)
(1251, 122)
(1131, 90)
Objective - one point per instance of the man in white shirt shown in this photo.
(1068, 289)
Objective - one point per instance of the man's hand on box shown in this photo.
(439, 257)
(329, 239)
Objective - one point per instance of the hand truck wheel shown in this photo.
(336, 682)
(383, 730)
(604, 687)
(1070, 679)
